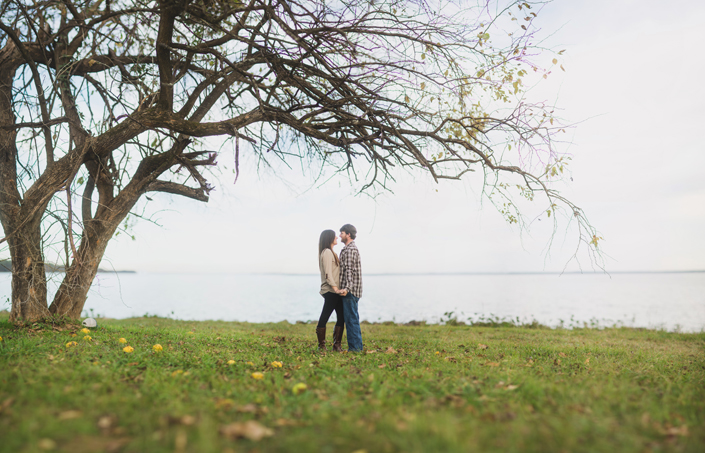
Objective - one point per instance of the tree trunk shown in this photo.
(29, 283)
(72, 294)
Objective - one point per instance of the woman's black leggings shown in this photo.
(332, 301)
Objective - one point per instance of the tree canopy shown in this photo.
(103, 101)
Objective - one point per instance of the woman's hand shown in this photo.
(343, 292)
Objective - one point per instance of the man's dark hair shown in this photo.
(351, 230)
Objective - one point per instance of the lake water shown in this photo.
(672, 301)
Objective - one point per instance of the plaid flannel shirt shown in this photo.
(351, 270)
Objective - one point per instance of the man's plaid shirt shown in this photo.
(351, 270)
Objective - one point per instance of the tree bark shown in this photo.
(72, 294)
(29, 284)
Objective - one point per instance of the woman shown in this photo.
(329, 265)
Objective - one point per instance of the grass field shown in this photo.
(416, 389)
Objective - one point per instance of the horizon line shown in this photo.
(694, 271)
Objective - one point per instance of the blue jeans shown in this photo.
(352, 323)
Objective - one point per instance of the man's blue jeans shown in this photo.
(352, 323)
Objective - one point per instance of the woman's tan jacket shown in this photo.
(330, 271)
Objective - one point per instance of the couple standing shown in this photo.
(341, 288)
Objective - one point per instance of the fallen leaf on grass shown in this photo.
(106, 422)
(382, 366)
(128, 349)
(122, 340)
(86, 331)
(224, 403)
(491, 363)
(511, 387)
(482, 346)
(370, 351)
(257, 375)
(390, 350)
(46, 444)
(6, 404)
(299, 388)
(251, 430)
(677, 431)
(557, 362)
(562, 354)
(231, 362)
(285, 422)
(587, 361)
(248, 408)
(451, 359)
(69, 415)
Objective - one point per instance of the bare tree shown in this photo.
(103, 101)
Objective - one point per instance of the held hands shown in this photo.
(342, 292)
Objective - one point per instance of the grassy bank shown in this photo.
(418, 389)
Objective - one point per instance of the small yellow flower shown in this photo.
(250, 363)
(128, 349)
(71, 343)
(157, 348)
(84, 330)
(87, 338)
(258, 375)
(122, 340)
(299, 388)
(276, 364)
(231, 362)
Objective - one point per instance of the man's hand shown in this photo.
(343, 292)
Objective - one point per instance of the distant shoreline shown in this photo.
(6, 266)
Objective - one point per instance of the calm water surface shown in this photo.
(668, 300)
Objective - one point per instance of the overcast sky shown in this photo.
(632, 81)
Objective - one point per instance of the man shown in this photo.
(351, 286)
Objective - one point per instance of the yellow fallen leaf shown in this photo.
(71, 343)
(250, 429)
(276, 364)
(122, 340)
(128, 349)
(231, 362)
(86, 331)
(157, 348)
(299, 388)
(257, 375)
(87, 338)
(250, 363)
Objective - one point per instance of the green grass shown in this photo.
(436, 390)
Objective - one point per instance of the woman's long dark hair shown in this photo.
(327, 237)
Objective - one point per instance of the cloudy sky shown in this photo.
(633, 82)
